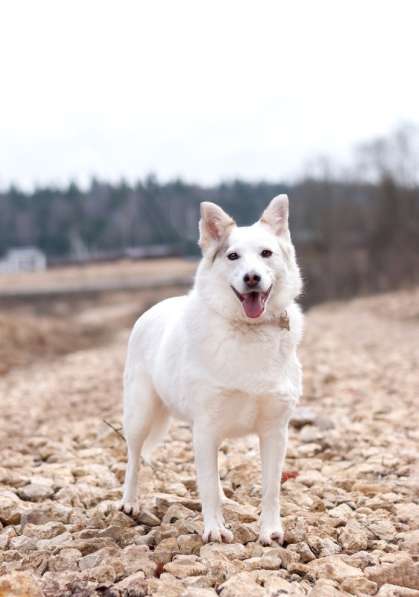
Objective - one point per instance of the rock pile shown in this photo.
(351, 514)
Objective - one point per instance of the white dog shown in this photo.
(223, 358)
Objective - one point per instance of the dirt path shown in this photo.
(351, 515)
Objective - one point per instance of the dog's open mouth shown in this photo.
(253, 302)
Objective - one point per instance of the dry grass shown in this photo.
(24, 339)
(116, 272)
(31, 332)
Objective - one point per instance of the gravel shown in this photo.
(350, 506)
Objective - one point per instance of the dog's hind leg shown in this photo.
(145, 420)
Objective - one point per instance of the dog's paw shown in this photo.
(218, 533)
(129, 508)
(268, 536)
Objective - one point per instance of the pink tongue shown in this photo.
(253, 304)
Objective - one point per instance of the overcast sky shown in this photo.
(206, 90)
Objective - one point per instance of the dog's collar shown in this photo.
(284, 321)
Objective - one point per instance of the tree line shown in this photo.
(356, 228)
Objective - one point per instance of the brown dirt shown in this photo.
(351, 515)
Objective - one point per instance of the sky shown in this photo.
(203, 90)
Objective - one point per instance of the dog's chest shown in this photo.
(250, 360)
(244, 413)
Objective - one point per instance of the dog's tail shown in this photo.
(159, 428)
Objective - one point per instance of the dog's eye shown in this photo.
(232, 256)
(266, 253)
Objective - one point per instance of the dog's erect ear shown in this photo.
(213, 225)
(276, 215)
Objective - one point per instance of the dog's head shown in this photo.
(248, 272)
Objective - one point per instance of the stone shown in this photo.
(198, 582)
(304, 551)
(36, 492)
(235, 512)
(308, 450)
(151, 538)
(63, 539)
(326, 588)
(353, 537)
(104, 573)
(384, 529)
(90, 545)
(67, 559)
(298, 569)
(177, 512)
(343, 511)
(221, 569)
(333, 567)
(266, 562)
(190, 544)
(275, 586)
(44, 531)
(384, 501)
(12, 478)
(165, 586)
(164, 500)
(123, 536)
(232, 551)
(185, 526)
(244, 532)
(389, 590)
(10, 509)
(288, 556)
(20, 584)
(322, 546)
(183, 566)
(165, 550)
(406, 513)
(362, 559)
(148, 519)
(93, 559)
(199, 592)
(310, 478)
(137, 558)
(56, 583)
(359, 586)
(47, 512)
(114, 518)
(239, 585)
(295, 530)
(302, 415)
(309, 434)
(133, 585)
(22, 543)
(409, 541)
(5, 536)
(402, 571)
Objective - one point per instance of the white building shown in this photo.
(24, 259)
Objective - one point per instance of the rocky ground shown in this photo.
(351, 514)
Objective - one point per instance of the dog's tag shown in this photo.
(284, 321)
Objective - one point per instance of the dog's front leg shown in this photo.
(273, 444)
(206, 451)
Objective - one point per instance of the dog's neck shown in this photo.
(282, 321)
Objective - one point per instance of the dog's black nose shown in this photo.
(251, 280)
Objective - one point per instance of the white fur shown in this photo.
(200, 358)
